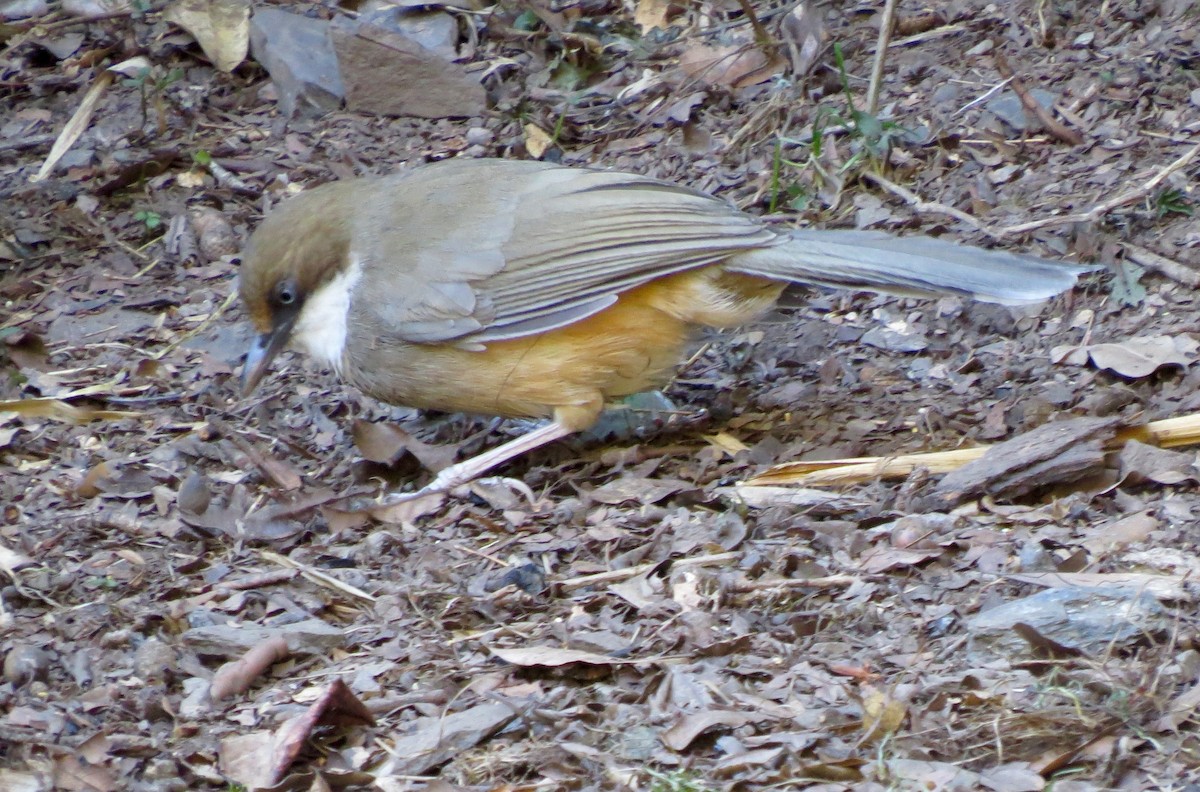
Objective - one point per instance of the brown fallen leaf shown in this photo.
(220, 27)
(688, 727)
(433, 741)
(651, 14)
(337, 706)
(882, 715)
(1141, 462)
(1135, 357)
(735, 66)
(537, 140)
(385, 443)
(59, 410)
(1169, 588)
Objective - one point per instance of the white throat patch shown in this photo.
(321, 327)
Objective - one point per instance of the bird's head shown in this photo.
(288, 265)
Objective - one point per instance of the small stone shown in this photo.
(982, 48)
(155, 659)
(24, 664)
(479, 136)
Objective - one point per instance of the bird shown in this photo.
(544, 291)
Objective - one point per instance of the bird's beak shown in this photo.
(262, 352)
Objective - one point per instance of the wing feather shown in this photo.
(522, 248)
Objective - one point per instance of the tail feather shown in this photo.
(913, 266)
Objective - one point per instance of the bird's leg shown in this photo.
(470, 469)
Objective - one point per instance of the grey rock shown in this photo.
(1008, 108)
(1088, 619)
(311, 636)
(386, 72)
(297, 53)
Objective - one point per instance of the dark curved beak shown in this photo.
(262, 351)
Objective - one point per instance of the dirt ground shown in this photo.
(632, 621)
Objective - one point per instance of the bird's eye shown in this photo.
(285, 294)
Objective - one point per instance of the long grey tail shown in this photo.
(913, 266)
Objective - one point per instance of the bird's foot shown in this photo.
(490, 488)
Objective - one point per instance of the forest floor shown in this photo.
(637, 620)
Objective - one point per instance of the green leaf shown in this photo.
(527, 21)
(568, 77)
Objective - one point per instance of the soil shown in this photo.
(622, 618)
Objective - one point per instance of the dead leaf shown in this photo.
(1134, 358)
(12, 561)
(220, 27)
(432, 741)
(802, 31)
(549, 656)
(894, 558)
(882, 715)
(690, 726)
(1169, 588)
(59, 410)
(651, 14)
(1140, 462)
(631, 489)
(1181, 710)
(537, 141)
(336, 706)
(1120, 533)
(385, 443)
(246, 758)
(729, 66)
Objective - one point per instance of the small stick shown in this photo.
(886, 23)
(921, 205)
(284, 477)
(1052, 124)
(1131, 196)
(760, 32)
(1180, 273)
(316, 576)
(633, 571)
(1091, 215)
(829, 581)
(33, 141)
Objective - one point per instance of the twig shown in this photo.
(829, 581)
(760, 32)
(46, 27)
(929, 35)
(283, 477)
(988, 94)
(1052, 124)
(624, 574)
(921, 205)
(1180, 273)
(212, 317)
(1091, 215)
(881, 46)
(318, 577)
(1104, 208)
(33, 141)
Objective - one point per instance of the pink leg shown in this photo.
(462, 472)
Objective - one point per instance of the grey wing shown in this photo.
(523, 248)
